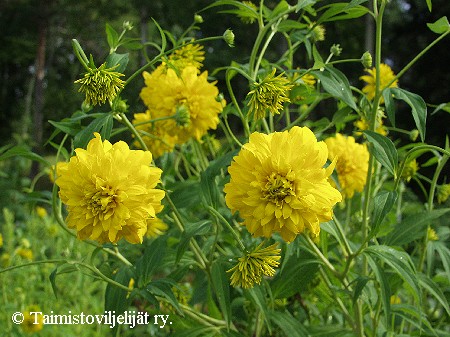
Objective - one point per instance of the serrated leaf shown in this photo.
(384, 151)
(413, 227)
(153, 255)
(221, 286)
(435, 291)
(383, 203)
(400, 262)
(440, 26)
(111, 36)
(336, 84)
(120, 61)
(418, 108)
(288, 324)
(24, 152)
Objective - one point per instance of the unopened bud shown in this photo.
(366, 60)
(414, 134)
(336, 49)
(219, 97)
(198, 18)
(127, 25)
(228, 36)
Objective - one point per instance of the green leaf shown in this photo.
(280, 9)
(295, 274)
(192, 229)
(413, 315)
(432, 288)
(389, 104)
(440, 26)
(117, 299)
(318, 60)
(342, 11)
(400, 262)
(429, 5)
(384, 151)
(258, 298)
(385, 288)
(221, 286)
(163, 288)
(361, 282)
(117, 60)
(413, 227)
(162, 35)
(83, 137)
(288, 324)
(208, 178)
(153, 255)
(336, 84)
(24, 152)
(442, 106)
(383, 203)
(67, 125)
(111, 36)
(417, 104)
(331, 228)
(303, 3)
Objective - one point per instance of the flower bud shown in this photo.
(366, 60)
(228, 36)
(182, 116)
(198, 18)
(127, 25)
(336, 49)
(414, 134)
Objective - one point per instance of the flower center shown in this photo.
(102, 202)
(277, 188)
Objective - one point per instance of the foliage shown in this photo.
(381, 263)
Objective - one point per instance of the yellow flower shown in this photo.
(395, 299)
(41, 212)
(155, 227)
(5, 260)
(188, 55)
(155, 134)
(386, 76)
(1, 240)
(101, 84)
(165, 94)
(352, 163)
(269, 94)
(432, 235)
(362, 124)
(279, 184)
(253, 266)
(32, 321)
(110, 191)
(443, 192)
(410, 170)
(25, 253)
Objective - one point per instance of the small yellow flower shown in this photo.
(25, 253)
(395, 299)
(254, 265)
(33, 320)
(443, 192)
(386, 76)
(278, 183)
(110, 191)
(269, 95)
(41, 212)
(432, 235)
(101, 84)
(352, 163)
(130, 286)
(362, 125)
(155, 227)
(1, 240)
(191, 54)
(5, 260)
(410, 170)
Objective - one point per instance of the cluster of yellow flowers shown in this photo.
(181, 103)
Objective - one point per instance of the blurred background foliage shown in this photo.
(38, 67)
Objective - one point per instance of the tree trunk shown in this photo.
(38, 117)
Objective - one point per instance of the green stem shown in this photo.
(130, 126)
(320, 255)
(214, 212)
(32, 264)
